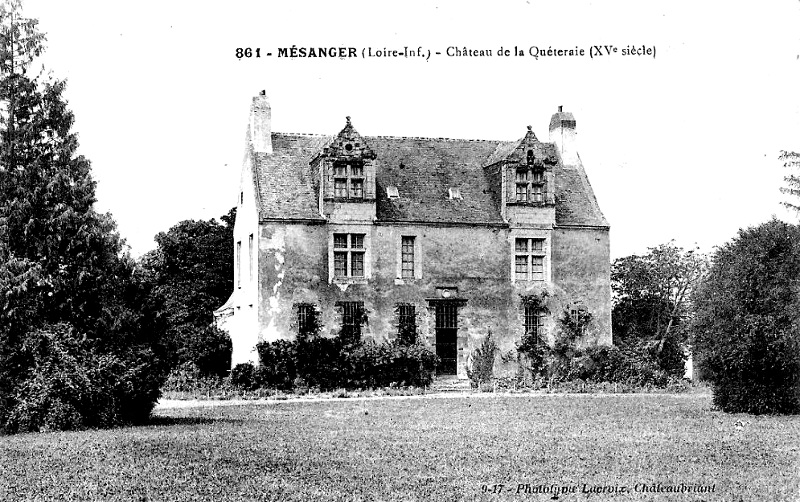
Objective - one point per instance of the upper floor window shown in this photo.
(348, 255)
(348, 180)
(529, 257)
(530, 185)
(239, 264)
(250, 256)
(407, 257)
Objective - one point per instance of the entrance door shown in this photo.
(446, 337)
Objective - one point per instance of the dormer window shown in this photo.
(530, 184)
(348, 180)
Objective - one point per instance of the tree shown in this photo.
(791, 160)
(191, 273)
(652, 293)
(64, 272)
(747, 326)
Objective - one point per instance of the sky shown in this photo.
(682, 146)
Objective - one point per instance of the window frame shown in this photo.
(354, 245)
(530, 182)
(408, 257)
(533, 321)
(353, 316)
(349, 180)
(239, 264)
(534, 258)
(407, 318)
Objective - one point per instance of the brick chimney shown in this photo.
(562, 133)
(261, 124)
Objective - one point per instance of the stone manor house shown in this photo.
(450, 236)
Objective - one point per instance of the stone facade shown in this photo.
(451, 235)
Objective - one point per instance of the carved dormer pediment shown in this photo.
(348, 165)
(529, 172)
(349, 145)
(531, 152)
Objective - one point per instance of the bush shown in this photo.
(278, 364)
(329, 363)
(747, 326)
(635, 364)
(481, 367)
(390, 364)
(68, 386)
(244, 376)
(209, 349)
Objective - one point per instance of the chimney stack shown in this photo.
(261, 124)
(562, 133)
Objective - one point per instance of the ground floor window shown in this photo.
(353, 318)
(307, 319)
(534, 321)
(406, 323)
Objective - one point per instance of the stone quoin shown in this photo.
(450, 236)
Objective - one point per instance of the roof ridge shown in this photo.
(318, 135)
(310, 134)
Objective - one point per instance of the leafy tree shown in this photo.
(652, 293)
(747, 326)
(191, 274)
(61, 262)
(791, 160)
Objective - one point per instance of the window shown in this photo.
(407, 257)
(348, 255)
(348, 180)
(522, 186)
(357, 187)
(306, 319)
(530, 184)
(529, 259)
(406, 323)
(239, 264)
(250, 255)
(353, 317)
(534, 320)
(340, 188)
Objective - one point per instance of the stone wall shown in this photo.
(582, 276)
(472, 263)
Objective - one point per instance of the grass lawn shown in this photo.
(450, 448)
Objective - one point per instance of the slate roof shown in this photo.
(423, 170)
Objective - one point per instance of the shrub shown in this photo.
(747, 327)
(278, 364)
(634, 364)
(209, 349)
(481, 367)
(535, 351)
(329, 363)
(69, 386)
(243, 376)
(390, 364)
(321, 362)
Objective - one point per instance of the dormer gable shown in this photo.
(347, 166)
(528, 172)
(348, 145)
